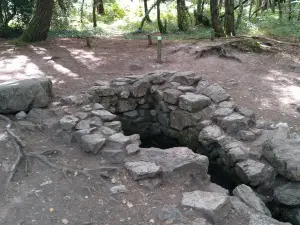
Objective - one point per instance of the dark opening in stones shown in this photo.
(217, 173)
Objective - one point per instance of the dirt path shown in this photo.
(267, 83)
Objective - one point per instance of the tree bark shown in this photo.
(39, 24)
(250, 10)
(279, 9)
(146, 10)
(100, 8)
(181, 15)
(159, 22)
(290, 9)
(94, 14)
(214, 11)
(81, 12)
(147, 14)
(1, 14)
(273, 2)
(239, 18)
(229, 18)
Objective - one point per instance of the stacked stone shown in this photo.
(183, 106)
(200, 114)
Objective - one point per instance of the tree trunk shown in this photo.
(159, 22)
(290, 9)
(147, 14)
(1, 15)
(181, 15)
(273, 2)
(239, 18)
(146, 10)
(39, 24)
(94, 14)
(100, 8)
(214, 11)
(81, 13)
(279, 9)
(250, 10)
(229, 17)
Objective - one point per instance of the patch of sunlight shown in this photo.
(38, 50)
(87, 58)
(269, 78)
(292, 93)
(64, 70)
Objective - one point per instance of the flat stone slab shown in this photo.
(210, 134)
(193, 102)
(141, 170)
(215, 204)
(283, 154)
(24, 95)
(171, 95)
(248, 196)
(68, 122)
(288, 194)
(104, 115)
(254, 172)
(92, 142)
(216, 93)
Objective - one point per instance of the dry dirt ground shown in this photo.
(267, 83)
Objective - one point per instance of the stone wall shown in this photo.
(205, 118)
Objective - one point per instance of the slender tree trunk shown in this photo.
(181, 15)
(250, 10)
(94, 14)
(146, 10)
(1, 14)
(81, 12)
(159, 22)
(229, 18)
(215, 19)
(290, 9)
(100, 8)
(239, 18)
(273, 5)
(147, 14)
(298, 18)
(279, 9)
(39, 24)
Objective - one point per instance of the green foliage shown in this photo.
(76, 33)
(113, 12)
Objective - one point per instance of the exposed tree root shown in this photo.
(216, 50)
(23, 155)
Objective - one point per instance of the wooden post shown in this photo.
(159, 48)
(149, 40)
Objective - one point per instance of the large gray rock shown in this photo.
(216, 93)
(24, 95)
(104, 115)
(216, 205)
(288, 194)
(254, 173)
(140, 88)
(233, 153)
(181, 119)
(242, 214)
(186, 78)
(68, 122)
(171, 96)
(193, 102)
(177, 162)
(92, 143)
(210, 134)
(233, 123)
(248, 196)
(141, 170)
(282, 153)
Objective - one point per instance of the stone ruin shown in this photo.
(262, 162)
